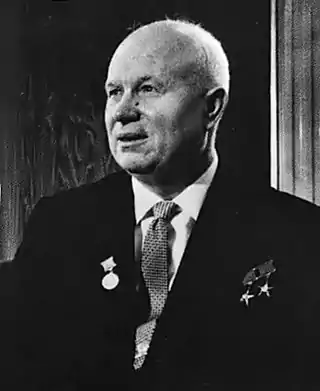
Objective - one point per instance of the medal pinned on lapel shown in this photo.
(264, 270)
(110, 280)
(258, 273)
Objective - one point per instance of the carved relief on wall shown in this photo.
(61, 145)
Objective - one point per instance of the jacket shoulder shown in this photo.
(63, 213)
(290, 207)
(81, 199)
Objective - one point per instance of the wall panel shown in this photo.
(297, 46)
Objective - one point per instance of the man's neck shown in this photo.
(169, 185)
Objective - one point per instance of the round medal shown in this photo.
(110, 281)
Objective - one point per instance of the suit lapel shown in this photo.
(111, 234)
(114, 217)
(209, 279)
(203, 310)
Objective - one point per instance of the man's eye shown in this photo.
(113, 92)
(147, 88)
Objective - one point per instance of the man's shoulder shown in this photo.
(258, 198)
(106, 188)
(288, 206)
(83, 202)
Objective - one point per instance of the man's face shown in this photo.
(153, 115)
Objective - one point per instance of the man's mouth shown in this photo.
(131, 137)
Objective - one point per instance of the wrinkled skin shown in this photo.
(156, 118)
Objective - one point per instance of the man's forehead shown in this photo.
(153, 52)
(134, 68)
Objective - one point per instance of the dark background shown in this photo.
(54, 57)
(67, 44)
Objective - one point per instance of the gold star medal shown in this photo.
(259, 272)
(246, 297)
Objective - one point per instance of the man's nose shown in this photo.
(127, 111)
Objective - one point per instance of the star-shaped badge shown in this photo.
(246, 297)
(258, 274)
(108, 264)
(265, 289)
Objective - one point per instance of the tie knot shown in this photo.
(165, 210)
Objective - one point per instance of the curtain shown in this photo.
(295, 104)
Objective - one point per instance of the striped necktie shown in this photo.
(154, 266)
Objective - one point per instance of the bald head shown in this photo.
(188, 51)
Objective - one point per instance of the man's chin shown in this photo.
(140, 170)
(135, 167)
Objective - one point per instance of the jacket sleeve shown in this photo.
(21, 301)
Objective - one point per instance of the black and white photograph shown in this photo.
(159, 195)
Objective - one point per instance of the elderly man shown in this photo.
(169, 274)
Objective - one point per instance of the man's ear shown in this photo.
(216, 101)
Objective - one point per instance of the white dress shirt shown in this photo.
(190, 201)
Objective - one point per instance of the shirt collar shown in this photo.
(190, 199)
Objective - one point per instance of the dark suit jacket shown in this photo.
(63, 331)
